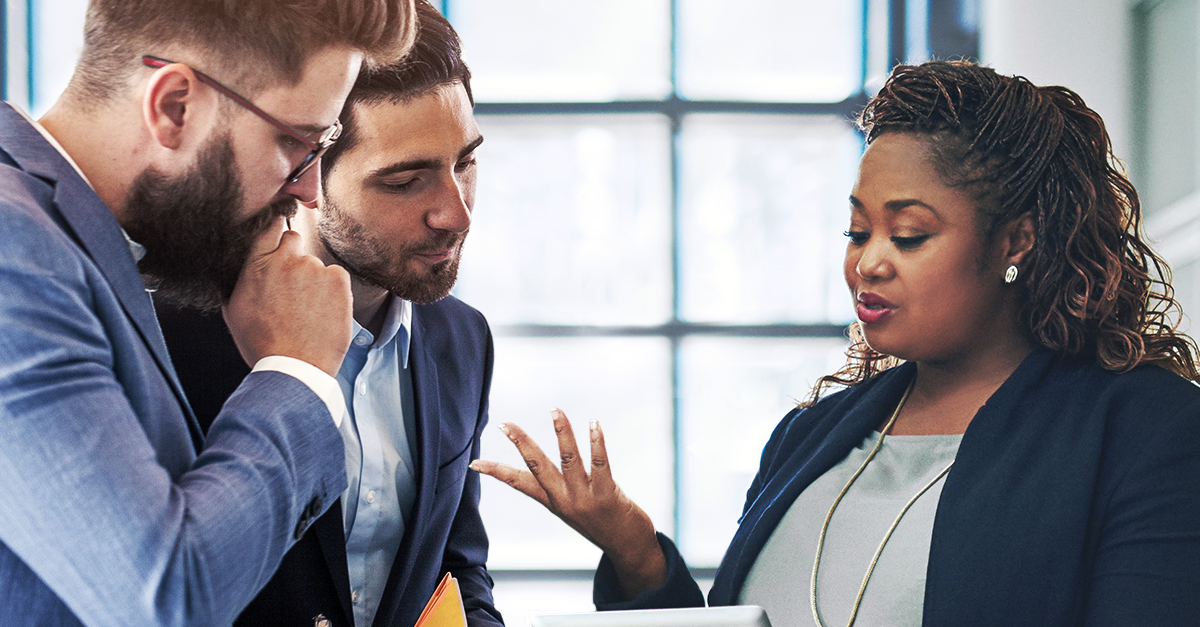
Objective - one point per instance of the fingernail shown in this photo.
(474, 466)
(556, 413)
(595, 428)
(504, 429)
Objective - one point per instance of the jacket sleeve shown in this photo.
(466, 551)
(121, 520)
(1147, 564)
(679, 589)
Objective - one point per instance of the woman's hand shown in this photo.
(591, 504)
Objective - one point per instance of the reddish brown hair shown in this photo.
(251, 44)
(1091, 285)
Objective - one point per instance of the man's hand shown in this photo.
(289, 303)
(591, 504)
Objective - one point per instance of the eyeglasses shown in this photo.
(328, 137)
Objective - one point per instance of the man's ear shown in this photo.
(1017, 239)
(173, 104)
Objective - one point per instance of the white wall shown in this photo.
(1154, 121)
(57, 41)
(1085, 45)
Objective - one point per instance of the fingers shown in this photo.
(268, 241)
(540, 466)
(602, 481)
(521, 480)
(289, 303)
(574, 475)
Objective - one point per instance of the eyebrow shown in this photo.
(424, 164)
(895, 206)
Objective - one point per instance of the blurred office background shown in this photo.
(657, 236)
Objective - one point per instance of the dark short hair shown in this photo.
(434, 60)
(250, 44)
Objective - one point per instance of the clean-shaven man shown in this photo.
(398, 189)
(188, 129)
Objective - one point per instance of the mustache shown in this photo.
(439, 241)
(254, 225)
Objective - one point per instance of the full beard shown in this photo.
(384, 264)
(195, 245)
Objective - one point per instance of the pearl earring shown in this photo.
(1010, 275)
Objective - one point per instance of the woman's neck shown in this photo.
(947, 394)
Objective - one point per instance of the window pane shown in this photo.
(571, 221)
(547, 50)
(770, 50)
(763, 211)
(624, 383)
(733, 393)
(57, 38)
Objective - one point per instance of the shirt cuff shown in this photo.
(317, 380)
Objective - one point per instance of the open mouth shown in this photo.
(873, 309)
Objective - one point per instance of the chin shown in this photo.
(880, 342)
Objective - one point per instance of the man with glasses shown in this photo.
(397, 195)
(150, 174)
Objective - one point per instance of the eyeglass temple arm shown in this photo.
(157, 62)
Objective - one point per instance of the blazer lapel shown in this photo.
(836, 435)
(93, 226)
(331, 535)
(427, 401)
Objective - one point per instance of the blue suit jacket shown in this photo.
(114, 510)
(1073, 500)
(451, 362)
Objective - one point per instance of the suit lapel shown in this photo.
(93, 226)
(838, 435)
(331, 535)
(427, 401)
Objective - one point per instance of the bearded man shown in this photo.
(188, 128)
(398, 190)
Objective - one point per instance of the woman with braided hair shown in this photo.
(1018, 437)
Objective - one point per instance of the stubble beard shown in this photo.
(195, 245)
(384, 264)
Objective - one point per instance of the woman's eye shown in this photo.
(858, 238)
(910, 242)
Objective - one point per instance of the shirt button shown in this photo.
(361, 340)
(355, 597)
(371, 496)
(362, 389)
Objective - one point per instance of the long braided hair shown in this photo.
(1091, 285)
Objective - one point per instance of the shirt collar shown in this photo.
(137, 249)
(399, 316)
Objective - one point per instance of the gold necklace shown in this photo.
(812, 595)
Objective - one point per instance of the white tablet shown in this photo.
(728, 616)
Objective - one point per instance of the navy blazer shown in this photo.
(114, 511)
(1073, 500)
(451, 361)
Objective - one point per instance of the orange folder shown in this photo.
(445, 607)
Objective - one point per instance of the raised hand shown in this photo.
(291, 304)
(591, 504)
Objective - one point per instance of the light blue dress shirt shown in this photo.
(377, 385)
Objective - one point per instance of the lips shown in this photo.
(436, 256)
(873, 308)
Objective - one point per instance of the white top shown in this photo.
(780, 578)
